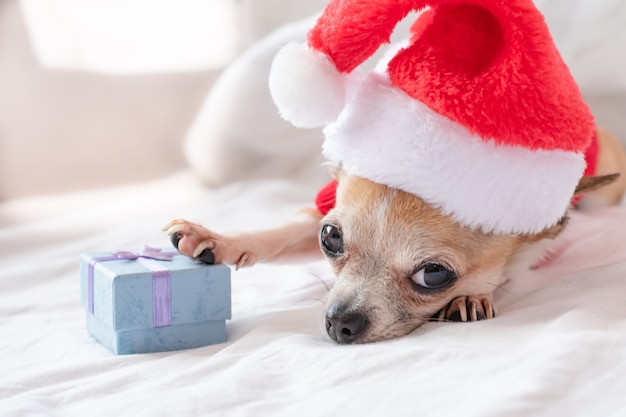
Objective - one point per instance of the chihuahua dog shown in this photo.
(399, 261)
(479, 72)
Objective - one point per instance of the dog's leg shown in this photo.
(468, 308)
(295, 241)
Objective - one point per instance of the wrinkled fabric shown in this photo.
(557, 347)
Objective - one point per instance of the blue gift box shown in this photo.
(154, 300)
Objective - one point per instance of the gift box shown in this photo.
(154, 300)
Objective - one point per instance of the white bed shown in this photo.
(557, 347)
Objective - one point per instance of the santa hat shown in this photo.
(477, 115)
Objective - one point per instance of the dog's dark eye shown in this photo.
(331, 240)
(433, 277)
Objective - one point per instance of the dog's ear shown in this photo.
(588, 184)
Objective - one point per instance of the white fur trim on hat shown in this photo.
(498, 189)
(306, 87)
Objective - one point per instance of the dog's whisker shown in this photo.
(438, 320)
(321, 280)
(502, 287)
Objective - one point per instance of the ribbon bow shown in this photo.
(145, 252)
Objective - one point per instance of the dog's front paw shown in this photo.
(468, 308)
(206, 246)
(192, 240)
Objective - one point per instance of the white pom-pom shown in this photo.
(306, 87)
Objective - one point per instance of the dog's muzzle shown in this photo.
(344, 325)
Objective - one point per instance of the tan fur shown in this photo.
(388, 235)
(383, 251)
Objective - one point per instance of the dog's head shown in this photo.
(399, 260)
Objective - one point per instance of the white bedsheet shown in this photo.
(557, 348)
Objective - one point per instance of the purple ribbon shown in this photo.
(161, 288)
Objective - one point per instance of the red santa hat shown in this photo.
(477, 114)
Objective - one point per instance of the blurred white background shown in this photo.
(95, 93)
(101, 92)
(132, 37)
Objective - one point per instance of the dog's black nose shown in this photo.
(344, 326)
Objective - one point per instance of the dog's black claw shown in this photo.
(207, 257)
(175, 239)
(456, 316)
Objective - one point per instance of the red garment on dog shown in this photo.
(325, 199)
